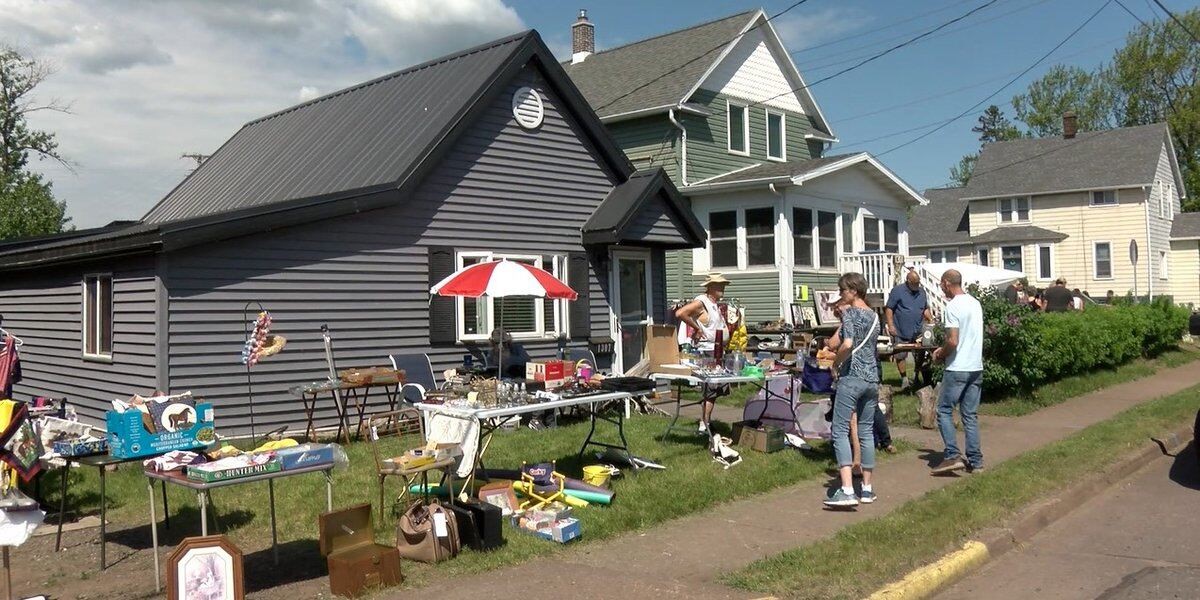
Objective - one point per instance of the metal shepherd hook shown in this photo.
(333, 380)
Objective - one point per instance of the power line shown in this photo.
(1003, 87)
(699, 57)
(1195, 38)
(889, 26)
(1132, 14)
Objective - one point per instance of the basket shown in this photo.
(485, 392)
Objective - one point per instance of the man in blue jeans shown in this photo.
(963, 377)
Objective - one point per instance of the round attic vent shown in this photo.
(527, 107)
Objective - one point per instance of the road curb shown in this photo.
(925, 581)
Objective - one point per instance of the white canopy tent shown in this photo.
(972, 274)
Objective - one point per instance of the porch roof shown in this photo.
(799, 171)
(646, 209)
(1019, 233)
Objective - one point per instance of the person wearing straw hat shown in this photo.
(704, 318)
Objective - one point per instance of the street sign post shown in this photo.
(1133, 259)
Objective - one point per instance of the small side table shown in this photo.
(101, 462)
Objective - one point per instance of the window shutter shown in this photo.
(548, 305)
(442, 327)
(579, 278)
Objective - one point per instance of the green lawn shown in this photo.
(865, 556)
(691, 483)
(1055, 393)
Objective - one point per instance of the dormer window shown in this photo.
(1014, 210)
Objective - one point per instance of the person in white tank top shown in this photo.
(704, 317)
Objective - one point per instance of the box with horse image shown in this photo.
(179, 426)
(757, 436)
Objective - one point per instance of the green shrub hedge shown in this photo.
(1024, 349)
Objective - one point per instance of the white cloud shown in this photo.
(799, 30)
(149, 81)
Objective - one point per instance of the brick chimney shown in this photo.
(583, 38)
(1070, 125)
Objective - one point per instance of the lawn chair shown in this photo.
(542, 484)
(396, 423)
(418, 376)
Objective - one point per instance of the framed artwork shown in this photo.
(205, 568)
(824, 302)
(804, 314)
(500, 493)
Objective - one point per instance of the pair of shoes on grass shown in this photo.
(951, 465)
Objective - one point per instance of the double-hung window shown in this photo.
(722, 236)
(1014, 210)
(776, 136)
(98, 316)
(738, 122)
(1045, 262)
(1102, 260)
(1011, 259)
(881, 234)
(871, 234)
(943, 255)
(523, 317)
(760, 236)
(802, 237)
(827, 239)
(983, 256)
(847, 233)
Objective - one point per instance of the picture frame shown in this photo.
(804, 314)
(205, 568)
(500, 493)
(823, 302)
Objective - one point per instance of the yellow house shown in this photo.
(1095, 208)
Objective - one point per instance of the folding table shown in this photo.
(710, 391)
(358, 394)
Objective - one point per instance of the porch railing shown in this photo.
(883, 271)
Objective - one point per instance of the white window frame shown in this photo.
(1166, 204)
(767, 114)
(1170, 200)
(1014, 213)
(1038, 260)
(942, 255)
(1092, 198)
(87, 313)
(1111, 260)
(812, 239)
(986, 254)
(729, 129)
(738, 219)
(1163, 267)
(561, 317)
(744, 238)
(1022, 249)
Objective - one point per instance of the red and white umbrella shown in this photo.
(503, 278)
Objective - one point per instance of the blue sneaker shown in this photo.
(866, 497)
(840, 498)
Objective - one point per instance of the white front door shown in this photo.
(631, 310)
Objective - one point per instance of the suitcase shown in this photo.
(355, 561)
(479, 525)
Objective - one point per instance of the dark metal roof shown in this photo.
(1019, 233)
(620, 208)
(656, 71)
(944, 221)
(364, 138)
(1186, 226)
(1123, 157)
(359, 149)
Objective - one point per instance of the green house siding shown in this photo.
(649, 142)
(758, 292)
(708, 137)
(816, 282)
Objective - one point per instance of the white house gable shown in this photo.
(752, 71)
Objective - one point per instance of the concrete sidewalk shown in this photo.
(683, 558)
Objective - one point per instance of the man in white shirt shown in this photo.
(963, 378)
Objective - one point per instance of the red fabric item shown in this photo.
(8, 366)
(503, 278)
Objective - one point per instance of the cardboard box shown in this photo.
(566, 530)
(80, 448)
(128, 438)
(548, 370)
(756, 436)
(234, 473)
(304, 455)
(662, 347)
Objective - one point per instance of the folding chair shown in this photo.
(418, 376)
(398, 422)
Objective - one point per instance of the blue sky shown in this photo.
(989, 48)
(150, 81)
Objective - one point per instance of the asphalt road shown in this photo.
(1139, 539)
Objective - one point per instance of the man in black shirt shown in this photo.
(1015, 292)
(1058, 297)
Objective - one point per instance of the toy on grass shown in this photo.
(542, 484)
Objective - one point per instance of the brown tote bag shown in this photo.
(417, 533)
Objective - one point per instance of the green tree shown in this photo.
(992, 126)
(1066, 88)
(1156, 77)
(27, 205)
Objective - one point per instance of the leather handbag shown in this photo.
(427, 533)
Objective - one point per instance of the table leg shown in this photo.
(274, 535)
(201, 499)
(103, 515)
(329, 491)
(154, 532)
(678, 407)
(166, 508)
(62, 503)
(310, 430)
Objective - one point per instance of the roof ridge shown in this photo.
(405, 71)
(675, 32)
(1081, 134)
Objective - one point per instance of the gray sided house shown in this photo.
(722, 108)
(343, 211)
